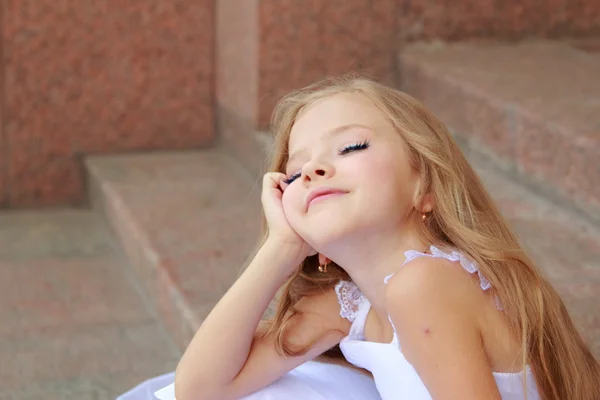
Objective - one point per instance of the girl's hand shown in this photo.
(281, 234)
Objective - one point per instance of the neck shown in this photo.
(369, 259)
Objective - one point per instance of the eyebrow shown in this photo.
(329, 134)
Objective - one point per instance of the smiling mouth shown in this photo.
(324, 197)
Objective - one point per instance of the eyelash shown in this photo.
(354, 147)
(291, 178)
(343, 152)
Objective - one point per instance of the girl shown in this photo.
(390, 256)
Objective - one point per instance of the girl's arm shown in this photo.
(435, 309)
(228, 358)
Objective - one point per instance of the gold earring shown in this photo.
(323, 268)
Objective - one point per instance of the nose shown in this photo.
(317, 170)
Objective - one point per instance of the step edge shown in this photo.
(543, 186)
(111, 205)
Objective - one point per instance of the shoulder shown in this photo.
(433, 285)
(435, 306)
(432, 302)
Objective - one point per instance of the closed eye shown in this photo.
(354, 147)
(344, 151)
(292, 178)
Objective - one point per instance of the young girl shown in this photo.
(390, 256)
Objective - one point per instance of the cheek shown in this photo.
(374, 172)
(391, 186)
(291, 201)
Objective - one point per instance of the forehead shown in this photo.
(331, 113)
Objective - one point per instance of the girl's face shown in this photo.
(348, 173)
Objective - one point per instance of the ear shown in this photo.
(427, 203)
(323, 260)
(423, 203)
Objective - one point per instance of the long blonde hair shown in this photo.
(464, 218)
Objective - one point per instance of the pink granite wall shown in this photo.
(512, 19)
(98, 77)
(301, 42)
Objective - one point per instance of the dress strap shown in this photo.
(453, 256)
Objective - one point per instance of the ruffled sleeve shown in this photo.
(349, 296)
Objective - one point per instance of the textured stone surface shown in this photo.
(237, 57)
(97, 78)
(240, 138)
(301, 42)
(562, 244)
(54, 293)
(426, 19)
(591, 44)
(189, 242)
(55, 235)
(70, 353)
(74, 324)
(265, 49)
(534, 105)
(3, 169)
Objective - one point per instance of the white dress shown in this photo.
(394, 376)
(311, 380)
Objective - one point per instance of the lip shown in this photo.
(321, 192)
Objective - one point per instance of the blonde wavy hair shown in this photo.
(464, 218)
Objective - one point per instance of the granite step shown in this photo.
(533, 107)
(187, 221)
(75, 323)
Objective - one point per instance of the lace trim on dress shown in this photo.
(455, 256)
(349, 296)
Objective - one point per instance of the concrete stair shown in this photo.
(76, 323)
(533, 107)
(187, 222)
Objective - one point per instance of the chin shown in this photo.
(325, 236)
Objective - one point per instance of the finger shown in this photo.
(282, 183)
(272, 179)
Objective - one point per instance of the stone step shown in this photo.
(534, 107)
(75, 321)
(189, 221)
